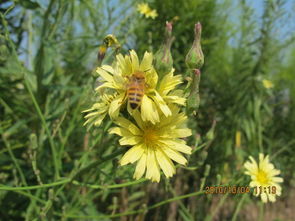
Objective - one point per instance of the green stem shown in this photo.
(67, 180)
(175, 199)
(238, 208)
(52, 145)
(134, 211)
(97, 163)
(286, 147)
(75, 182)
(32, 197)
(220, 203)
(18, 168)
(261, 211)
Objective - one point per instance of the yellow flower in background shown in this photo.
(263, 175)
(154, 146)
(238, 139)
(145, 10)
(267, 84)
(156, 95)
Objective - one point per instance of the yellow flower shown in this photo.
(263, 176)
(99, 110)
(156, 94)
(144, 9)
(267, 84)
(154, 146)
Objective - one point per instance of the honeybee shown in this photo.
(135, 89)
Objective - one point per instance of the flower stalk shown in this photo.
(193, 100)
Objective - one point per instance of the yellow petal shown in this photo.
(132, 155)
(174, 155)
(272, 197)
(115, 106)
(134, 60)
(263, 197)
(165, 163)
(277, 179)
(161, 104)
(123, 122)
(119, 82)
(169, 82)
(152, 167)
(175, 100)
(119, 131)
(104, 74)
(137, 117)
(140, 167)
(106, 85)
(254, 166)
(121, 62)
(130, 140)
(179, 133)
(146, 62)
(128, 66)
(96, 113)
(178, 146)
(108, 68)
(151, 78)
(99, 119)
(149, 110)
(250, 167)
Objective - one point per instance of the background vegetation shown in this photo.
(51, 168)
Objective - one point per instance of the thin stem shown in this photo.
(134, 211)
(19, 170)
(97, 163)
(282, 149)
(238, 208)
(75, 182)
(30, 196)
(67, 180)
(220, 203)
(261, 211)
(52, 145)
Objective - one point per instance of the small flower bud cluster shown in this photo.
(194, 60)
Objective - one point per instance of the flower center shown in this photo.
(150, 136)
(262, 177)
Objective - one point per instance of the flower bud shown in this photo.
(163, 61)
(195, 58)
(193, 100)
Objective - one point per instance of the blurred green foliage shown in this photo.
(47, 55)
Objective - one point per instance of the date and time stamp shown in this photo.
(240, 190)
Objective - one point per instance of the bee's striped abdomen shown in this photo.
(135, 95)
(135, 89)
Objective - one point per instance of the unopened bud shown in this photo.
(163, 61)
(195, 58)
